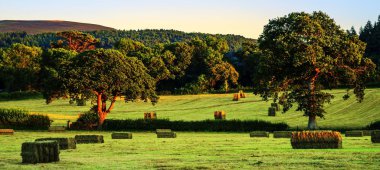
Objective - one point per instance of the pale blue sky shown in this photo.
(242, 17)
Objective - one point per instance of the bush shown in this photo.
(86, 121)
(21, 120)
(374, 126)
(205, 125)
(19, 95)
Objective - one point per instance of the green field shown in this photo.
(194, 151)
(340, 113)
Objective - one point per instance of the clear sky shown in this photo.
(242, 17)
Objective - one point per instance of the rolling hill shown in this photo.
(45, 26)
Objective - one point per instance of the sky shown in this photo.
(240, 17)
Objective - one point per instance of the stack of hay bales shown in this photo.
(57, 129)
(259, 134)
(282, 134)
(40, 152)
(165, 133)
(64, 143)
(150, 115)
(271, 111)
(7, 131)
(354, 133)
(242, 94)
(89, 139)
(236, 97)
(375, 136)
(123, 135)
(220, 115)
(275, 106)
(316, 140)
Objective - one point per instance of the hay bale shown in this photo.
(282, 134)
(259, 134)
(354, 133)
(57, 129)
(123, 135)
(64, 143)
(236, 97)
(166, 135)
(150, 115)
(375, 136)
(367, 132)
(7, 131)
(316, 140)
(242, 94)
(40, 152)
(271, 111)
(220, 115)
(276, 106)
(89, 139)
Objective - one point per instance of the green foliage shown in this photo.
(87, 119)
(20, 119)
(205, 125)
(111, 73)
(370, 34)
(19, 67)
(54, 72)
(305, 53)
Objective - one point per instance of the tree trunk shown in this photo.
(312, 125)
(102, 107)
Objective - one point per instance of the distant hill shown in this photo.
(46, 26)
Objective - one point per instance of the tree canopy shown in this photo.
(19, 67)
(108, 74)
(304, 54)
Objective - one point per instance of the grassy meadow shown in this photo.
(193, 151)
(340, 113)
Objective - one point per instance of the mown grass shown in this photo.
(193, 151)
(340, 113)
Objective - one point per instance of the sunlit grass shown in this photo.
(340, 113)
(194, 151)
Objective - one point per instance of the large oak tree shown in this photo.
(304, 54)
(106, 74)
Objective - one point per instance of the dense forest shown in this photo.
(180, 62)
(109, 37)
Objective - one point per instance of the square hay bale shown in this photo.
(122, 135)
(375, 136)
(276, 106)
(166, 135)
(354, 133)
(259, 134)
(220, 115)
(316, 140)
(242, 94)
(40, 152)
(236, 97)
(271, 111)
(89, 139)
(282, 134)
(7, 131)
(57, 129)
(150, 115)
(64, 143)
(367, 132)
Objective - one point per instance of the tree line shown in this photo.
(295, 59)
